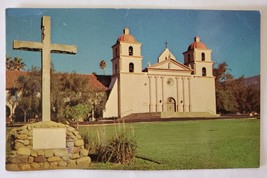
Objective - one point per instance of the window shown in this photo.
(204, 71)
(170, 82)
(131, 67)
(203, 56)
(130, 51)
(188, 56)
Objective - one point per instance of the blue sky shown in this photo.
(234, 36)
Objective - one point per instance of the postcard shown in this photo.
(132, 89)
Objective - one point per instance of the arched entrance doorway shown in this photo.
(171, 105)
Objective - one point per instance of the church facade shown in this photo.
(167, 86)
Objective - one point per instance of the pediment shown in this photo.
(169, 64)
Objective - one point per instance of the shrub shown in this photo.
(120, 148)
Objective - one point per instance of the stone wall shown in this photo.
(23, 157)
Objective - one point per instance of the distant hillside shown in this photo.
(255, 80)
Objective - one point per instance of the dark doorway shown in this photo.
(171, 105)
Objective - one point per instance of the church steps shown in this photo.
(163, 115)
(142, 115)
(187, 115)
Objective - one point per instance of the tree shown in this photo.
(225, 99)
(253, 99)
(234, 95)
(30, 93)
(103, 65)
(79, 112)
(238, 89)
(8, 62)
(68, 90)
(14, 64)
(25, 107)
(72, 96)
(97, 100)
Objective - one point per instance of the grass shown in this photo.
(233, 143)
(188, 144)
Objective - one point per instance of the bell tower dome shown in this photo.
(126, 54)
(198, 57)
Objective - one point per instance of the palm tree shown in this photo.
(18, 64)
(8, 62)
(14, 64)
(103, 65)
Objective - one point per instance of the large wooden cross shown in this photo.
(46, 48)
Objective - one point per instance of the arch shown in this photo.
(203, 56)
(171, 105)
(131, 67)
(204, 71)
(130, 51)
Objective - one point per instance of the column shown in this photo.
(150, 103)
(184, 100)
(189, 94)
(186, 95)
(119, 95)
(177, 95)
(162, 86)
(156, 92)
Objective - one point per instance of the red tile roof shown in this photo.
(197, 44)
(126, 38)
(12, 77)
(93, 82)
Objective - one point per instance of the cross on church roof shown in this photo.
(46, 47)
(166, 44)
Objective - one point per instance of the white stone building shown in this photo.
(167, 86)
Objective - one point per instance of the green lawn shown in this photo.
(233, 143)
(188, 144)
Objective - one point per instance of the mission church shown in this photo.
(167, 86)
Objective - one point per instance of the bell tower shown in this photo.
(198, 57)
(126, 54)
